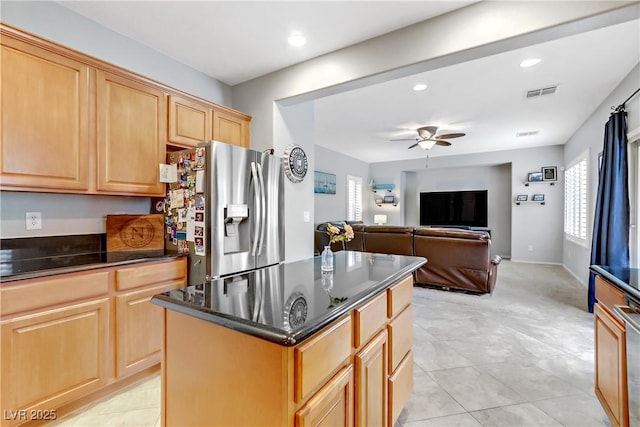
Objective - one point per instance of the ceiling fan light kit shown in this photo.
(427, 138)
(426, 144)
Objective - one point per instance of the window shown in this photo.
(354, 198)
(634, 201)
(575, 200)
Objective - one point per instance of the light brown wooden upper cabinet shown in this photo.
(231, 128)
(189, 122)
(130, 135)
(44, 133)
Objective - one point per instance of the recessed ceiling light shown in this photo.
(530, 62)
(297, 40)
(419, 87)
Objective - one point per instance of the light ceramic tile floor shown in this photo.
(520, 357)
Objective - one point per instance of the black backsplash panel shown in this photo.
(30, 253)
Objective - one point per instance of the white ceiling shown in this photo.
(237, 41)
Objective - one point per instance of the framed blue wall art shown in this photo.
(324, 183)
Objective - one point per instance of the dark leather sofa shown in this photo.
(456, 259)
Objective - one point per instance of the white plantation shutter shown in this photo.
(354, 198)
(575, 200)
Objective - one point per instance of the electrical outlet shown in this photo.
(34, 220)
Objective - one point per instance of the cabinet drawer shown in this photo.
(39, 293)
(400, 387)
(150, 273)
(316, 359)
(399, 296)
(400, 337)
(608, 295)
(369, 319)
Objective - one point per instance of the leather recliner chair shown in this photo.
(456, 259)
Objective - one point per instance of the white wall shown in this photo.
(295, 125)
(330, 207)
(576, 258)
(495, 179)
(538, 227)
(79, 214)
(63, 214)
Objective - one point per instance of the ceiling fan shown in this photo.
(427, 137)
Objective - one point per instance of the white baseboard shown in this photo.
(535, 262)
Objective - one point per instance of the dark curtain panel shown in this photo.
(610, 245)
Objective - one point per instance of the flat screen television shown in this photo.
(451, 208)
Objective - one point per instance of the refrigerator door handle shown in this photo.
(263, 203)
(258, 216)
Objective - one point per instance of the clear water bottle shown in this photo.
(327, 259)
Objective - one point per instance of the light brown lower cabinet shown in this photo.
(611, 366)
(400, 387)
(70, 336)
(371, 383)
(53, 357)
(139, 330)
(332, 406)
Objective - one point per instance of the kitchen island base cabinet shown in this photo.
(341, 375)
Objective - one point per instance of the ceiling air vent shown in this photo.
(528, 133)
(534, 93)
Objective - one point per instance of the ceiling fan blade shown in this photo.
(427, 131)
(403, 139)
(414, 145)
(450, 135)
(443, 143)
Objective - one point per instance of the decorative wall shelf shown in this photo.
(388, 187)
(526, 183)
(386, 200)
(529, 201)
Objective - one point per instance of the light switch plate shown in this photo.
(33, 220)
(307, 216)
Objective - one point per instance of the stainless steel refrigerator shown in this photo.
(224, 207)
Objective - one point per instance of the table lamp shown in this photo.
(380, 219)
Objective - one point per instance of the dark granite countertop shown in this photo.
(625, 279)
(30, 268)
(288, 303)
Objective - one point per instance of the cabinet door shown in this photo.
(189, 122)
(131, 134)
(611, 366)
(54, 357)
(44, 133)
(400, 388)
(139, 330)
(332, 405)
(230, 129)
(371, 383)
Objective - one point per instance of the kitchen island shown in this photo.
(290, 345)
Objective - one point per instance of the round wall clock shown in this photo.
(295, 163)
